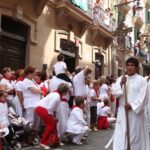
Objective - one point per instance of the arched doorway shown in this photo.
(13, 40)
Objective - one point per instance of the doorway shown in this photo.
(70, 52)
(13, 40)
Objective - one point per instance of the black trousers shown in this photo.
(64, 76)
(93, 110)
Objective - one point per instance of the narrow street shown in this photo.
(95, 141)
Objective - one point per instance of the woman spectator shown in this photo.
(18, 100)
(32, 95)
(7, 85)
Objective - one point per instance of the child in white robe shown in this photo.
(77, 127)
(60, 69)
(105, 116)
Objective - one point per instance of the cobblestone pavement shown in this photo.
(95, 141)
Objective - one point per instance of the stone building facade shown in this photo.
(35, 31)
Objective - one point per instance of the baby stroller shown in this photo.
(19, 132)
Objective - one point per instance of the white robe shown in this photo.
(62, 114)
(147, 114)
(63, 110)
(4, 114)
(76, 123)
(16, 102)
(136, 92)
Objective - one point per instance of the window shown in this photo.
(68, 46)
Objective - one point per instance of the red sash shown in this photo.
(20, 79)
(103, 122)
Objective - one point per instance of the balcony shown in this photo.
(96, 18)
(73, 10)
(103, 19)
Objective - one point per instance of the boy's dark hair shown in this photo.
(63, 88)
(43, 75)
(106, 101)
(29, 69)
(1, 93)
(79, 100)
(78, 69)
(132, 60)
(60, 57)
(5, 70)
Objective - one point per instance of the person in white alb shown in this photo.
(94, 99)
(136, 102)
(46, 110)
(79, 81)
(31, 95)
(105, 116)
(104, 89)
(77, 127)
(147, 111)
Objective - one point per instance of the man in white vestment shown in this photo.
(136, 93)
(147, 111)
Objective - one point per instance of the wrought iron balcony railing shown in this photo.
(103, 18)
(98, 15)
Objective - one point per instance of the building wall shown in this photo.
(42, 36)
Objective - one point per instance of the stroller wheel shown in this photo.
(17, 146)
(35, 141)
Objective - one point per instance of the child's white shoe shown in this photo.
(45, 146)
(77, 142)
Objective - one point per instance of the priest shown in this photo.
(136, 87)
